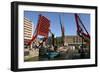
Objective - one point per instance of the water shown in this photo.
(69, 55)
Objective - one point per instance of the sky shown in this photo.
(67, 19)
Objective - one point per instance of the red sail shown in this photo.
(43, 26)
(80, 31)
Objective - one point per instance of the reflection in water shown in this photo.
(60, 56)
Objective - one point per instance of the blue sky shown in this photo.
(68, 20)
